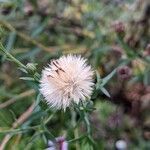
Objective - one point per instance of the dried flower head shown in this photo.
(124, 72)
(118, 26)
(66, 80)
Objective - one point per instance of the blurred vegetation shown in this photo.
(112, 34)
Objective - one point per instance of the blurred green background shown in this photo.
(110, 33)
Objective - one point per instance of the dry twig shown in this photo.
(17, 123)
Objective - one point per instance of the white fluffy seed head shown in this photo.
(66, 80)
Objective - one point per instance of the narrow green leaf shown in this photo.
(108, 77)
(23, 70)
(27, 78)
(105, 91)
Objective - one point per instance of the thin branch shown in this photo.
(11, 57)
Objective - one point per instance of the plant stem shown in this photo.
(77, 139)
(76, 134)
(12, 57)
(88, 127)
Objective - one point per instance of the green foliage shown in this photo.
(33, 33)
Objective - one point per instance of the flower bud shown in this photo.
(118, 27)
(31, 67)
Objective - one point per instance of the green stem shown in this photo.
(49, 118)
(88, 125)
(87, 122)
(77, 139)
(19, 130)
(76, 133)
(12, 57)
